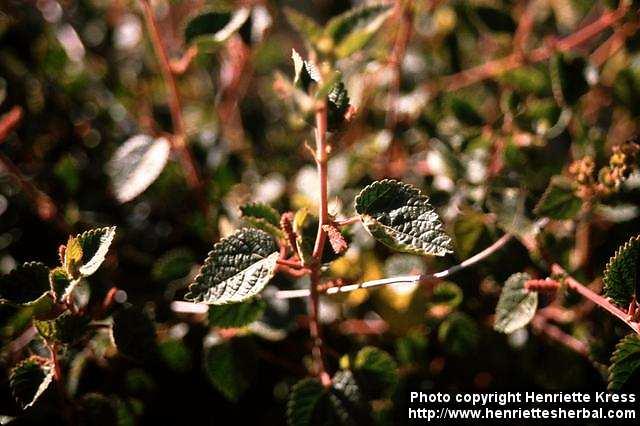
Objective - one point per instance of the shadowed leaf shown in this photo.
(621, 274)
(625, 363)
(29, 380)
(516, 306)
(25, 284)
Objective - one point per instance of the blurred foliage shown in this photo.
(550, 137)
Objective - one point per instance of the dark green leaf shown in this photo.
(97, 410)
(516, 306)
(212, 28)
(236, 315)
(568, 78)
(496, 20)
(446, 295)
(176, 355)
(375, 371)
(226, 369)
(305, 72)
(173, 265)
(459, 334)
(625, 364)
(465, 112)
(25, 284)
(262, 216)
(60, 282)
(134, 333)
(337, 105)
(621, 275)
(66, 328)
(352, 30)
(304, 401)
(306, 26)
(29, 380)
(399, 216)
(559, 201)
(237, 268)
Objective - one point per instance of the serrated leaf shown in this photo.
(60, 282)
(303, 402)
(73, 257)
(25, 285)
(376, 372)
(399, 216)
(212, 28)
(303, 24)
(622, 273)
(95, 245)
(29, 380)
(348, 405)
(559, 201)
(352, 30)
(226, 369)
(625, 363)
(237, 268)
(262, 216)
(67, 328)
(134, 333)
(136, 164)
(305, 72)
(236, 315)
(516, 306)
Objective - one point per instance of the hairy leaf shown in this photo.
(237, 268)
(212, 28)
(25, 284)
(399, 216)
(375, 371)
(66, 328)
(352, 30)
(134, 333)
(625, 363)
(29, 380)
(622, 273)
(136, 164)
(516, 306)
(559, 201)
(73, 257)
(95, 244)
(226, 366)
(236, 315)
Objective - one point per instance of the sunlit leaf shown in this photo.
(66, 328)
(516, 306)
(237, 268)
(136, 164)
(399, 216)
(29, 380)
(95, 244)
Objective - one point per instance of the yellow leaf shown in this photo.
(73, 257)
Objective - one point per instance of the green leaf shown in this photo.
(306, 26)
(465, 112)
(559, 201)
(29, 380)
(375, 371)
(60, 282)
(262, 216)
(96, 409)
(136, 164)
(625, 364)
(496, 20)
(352, 30)
(446, 295)
(568, 80)
(236, 315)
(176, 355)
(67, 328)
(337, 105)
(305, 72)
(134, 333)
(304, 401)
(516, 306)
(95, 245)
(227, 369)
(237, 268)
(173, 265)
(459, 334)
(73, 257)
(399, 216)
(25, 285)
(622, 273)
(212, 28)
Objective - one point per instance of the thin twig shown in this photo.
(179, 138)
(412, 279)
(584, 291)
(540, 324)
